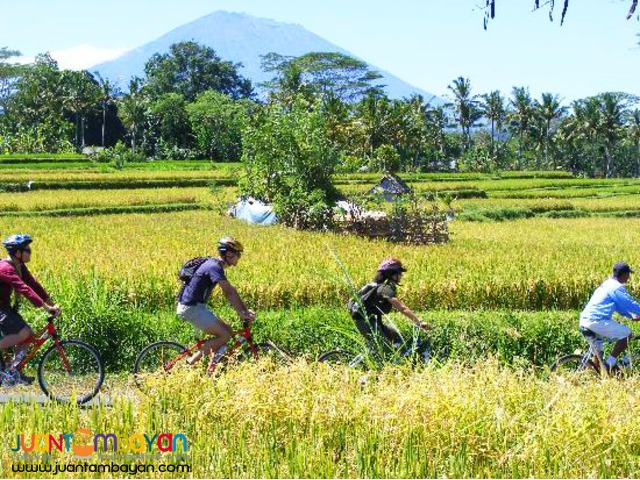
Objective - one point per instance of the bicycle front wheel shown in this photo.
(342, 357)
(266, 350)
(574, 364)
(71, 370)
(156, 360)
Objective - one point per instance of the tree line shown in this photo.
(190, 103)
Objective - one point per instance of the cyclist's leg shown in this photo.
(207, 321)
(14, 329)
(366, 329)
(615, 331)
(391, 334)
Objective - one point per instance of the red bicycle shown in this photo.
(68, 369)
(162, 357)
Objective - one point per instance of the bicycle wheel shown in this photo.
(154, 361)
(575, 364)
(265, 350)
(71, 370)
(2, 367)
(342, 357)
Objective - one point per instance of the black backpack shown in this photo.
(188, 270)
(363, 300)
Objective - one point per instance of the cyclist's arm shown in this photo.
(10, 277)
(407, 312)
(625, 304)
(234, 299)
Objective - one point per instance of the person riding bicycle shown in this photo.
(193, 297)
(378, 298)
(15, 278)
(612, 296)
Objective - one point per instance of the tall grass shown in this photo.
(309, 420)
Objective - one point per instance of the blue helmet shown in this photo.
(17, 242)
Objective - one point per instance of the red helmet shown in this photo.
(391, 264)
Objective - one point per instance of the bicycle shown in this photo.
(160, 358)
(417, 350)
(592, 359)
(67, 369)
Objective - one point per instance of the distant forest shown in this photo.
(191, 104)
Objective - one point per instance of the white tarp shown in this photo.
(253, 211)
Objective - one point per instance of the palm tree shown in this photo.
(132, 109)
(548, 110)
(611, 121)
(633, 134)
(466, 107)
(521, 114)
(493, 109)
(108, 94)
(81, 94)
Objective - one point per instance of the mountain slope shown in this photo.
(242, 38)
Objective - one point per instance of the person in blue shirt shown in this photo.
(192, 301)
(612, 296)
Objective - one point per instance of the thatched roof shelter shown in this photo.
(390, 186)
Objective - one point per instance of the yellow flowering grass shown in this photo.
(309, 420)
(526, 264)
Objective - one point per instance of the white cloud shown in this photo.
(84, 56)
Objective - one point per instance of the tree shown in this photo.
(521, 115)
(108, 94)
(190, 69)
(490, 9)
(466, 107)
(81, 93)
(289, 162)
(132, 109)
(633, 134)
(217, 122)
(612, 112)
(329, 74)
(9, 73)
(493, 109)
(372, 122)
(170, 121)
(549, 109)
(35, 108)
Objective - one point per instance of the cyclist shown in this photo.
(379, 298)
(193, 297)
(16, 278)
(611, 296)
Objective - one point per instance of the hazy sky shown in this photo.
(427, 43)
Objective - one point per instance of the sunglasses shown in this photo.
(28, 250)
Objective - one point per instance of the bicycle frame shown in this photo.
(238, 336)
(37, 340)
(595, 353)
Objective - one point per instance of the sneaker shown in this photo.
(611, 370)
(22, 379)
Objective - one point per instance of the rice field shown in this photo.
(308, 420)
(503, 296)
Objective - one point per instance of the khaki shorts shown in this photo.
(199, 316)
(606, 328)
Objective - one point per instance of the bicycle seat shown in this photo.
(588, 333)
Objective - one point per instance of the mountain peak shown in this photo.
(242, 38)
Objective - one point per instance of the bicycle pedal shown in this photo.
(8, 379)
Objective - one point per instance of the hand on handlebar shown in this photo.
(635, 317)
(52, 309)
(425, 326)
(249, 316)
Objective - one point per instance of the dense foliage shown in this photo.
(192, 104)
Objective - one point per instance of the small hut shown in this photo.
(390, 187)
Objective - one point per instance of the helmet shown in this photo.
(391, 264)
(17, 242)
(229, 243)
